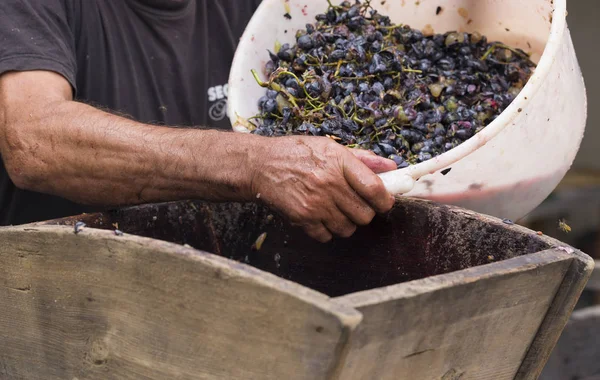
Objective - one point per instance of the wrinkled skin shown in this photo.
(324, 187)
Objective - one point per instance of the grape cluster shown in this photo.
(355, 77)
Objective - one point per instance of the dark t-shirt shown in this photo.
(158, 61)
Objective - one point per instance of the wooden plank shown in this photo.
(557, 317)
(577, 351)
(443, 322)
(473, 324)
(97, 306)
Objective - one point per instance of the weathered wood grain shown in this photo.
(426, 291)
(93, 306)
(473, 324)
(557, 316)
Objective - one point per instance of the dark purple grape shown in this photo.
(433, 116)
(377, 150)
(270, 66)
(328, 127)
(387, 149)
(314, 130)
(349, 88)
(270, 106)
(375, 47)
(465, 50)
(446, 64)
(425, 65)
(380, 123)
(337, 55)
(463, 134)
(305, 42)
(304, 127)
(411, 114)
(287, 113)
(263, 131)
(350, 125)
(314, 89)
(377, 65)
(354, 23)
(363, 87)
(294, 92)
(424, 157)
(408, 135)
(261, 103)
(388, 83)
(419, 122)
(378, 88)
(478, 65)
(331, 15)
(397, 159)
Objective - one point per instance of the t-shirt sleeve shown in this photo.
(35, 35)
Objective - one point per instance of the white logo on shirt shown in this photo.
(217, 94)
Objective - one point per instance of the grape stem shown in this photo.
(275, 86)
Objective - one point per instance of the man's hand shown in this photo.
(374, 162)
(321, 185)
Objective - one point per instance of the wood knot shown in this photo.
(453, 374)
(98, 354)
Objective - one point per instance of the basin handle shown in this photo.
(396, 182)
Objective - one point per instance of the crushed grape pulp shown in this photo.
(364, 82)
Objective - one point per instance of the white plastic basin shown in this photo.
(511, 166)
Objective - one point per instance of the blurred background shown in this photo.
(577, 201)
(577, 198)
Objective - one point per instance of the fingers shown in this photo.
(367, 185)
(354, 207)
(362, 152)
(339, 224)
(378, 164)
(374, 162)
(318, 232)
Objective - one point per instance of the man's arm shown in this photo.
(52, 144)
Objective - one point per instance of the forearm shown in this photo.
(84, 154)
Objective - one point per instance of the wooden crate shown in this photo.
(424, 292)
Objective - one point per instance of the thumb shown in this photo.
(374, 162)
